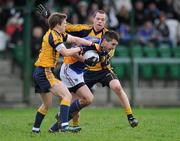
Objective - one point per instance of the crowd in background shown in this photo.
(145, 22)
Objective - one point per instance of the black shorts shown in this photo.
(44, 79)
(103, 76)
(75, 88)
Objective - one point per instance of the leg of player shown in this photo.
(86, 98)
(118, 90)
(76, 116)
(75, 120)
(61, 90)
(46, 99)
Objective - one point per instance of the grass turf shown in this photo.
(98, 124)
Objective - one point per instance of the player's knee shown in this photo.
(116, 87)
(67, 96)
(45, 106)
(89, 100)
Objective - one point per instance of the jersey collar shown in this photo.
(98, 31)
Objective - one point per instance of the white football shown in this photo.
(91, 53)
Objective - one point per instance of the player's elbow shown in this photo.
(76, 40)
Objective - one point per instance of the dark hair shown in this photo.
(56, 18)
(99, 11)
(110, 35)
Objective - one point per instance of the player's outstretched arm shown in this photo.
(78, 41)
(61, 48)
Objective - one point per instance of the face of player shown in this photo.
(62, 26)
(99, 21)
(108, 46)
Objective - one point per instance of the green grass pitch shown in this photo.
(99, 124)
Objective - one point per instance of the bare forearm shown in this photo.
(84, 42)
(79, 57)
(71, 51)
(79, 41)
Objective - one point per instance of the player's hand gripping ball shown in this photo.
(91, 57)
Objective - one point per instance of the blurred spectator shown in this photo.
(37, 34)
(139, 13)
(90, 19)
(168, 8)
(67, 10)
(173, 26)
(123, 16)
(74, 19)
(82, 12)
(14, 29)
(122, 3)
(93, 8)
(163, 29)
(124, 28)
(176, 6)
(7, 11)
(125, 36)
(152, 12)
(3, 40)
(148, 35)
(112, 19)
(178, 35)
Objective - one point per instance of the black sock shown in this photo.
(38, 120)
(130, 116)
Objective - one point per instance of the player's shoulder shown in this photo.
(47, 32)
(46, 35)
(78, 26)
(106, 30)
(55, 34)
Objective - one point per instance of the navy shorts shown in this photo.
(44, 79)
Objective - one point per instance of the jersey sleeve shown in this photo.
(55, 40)
(76, 27)
(64, 36)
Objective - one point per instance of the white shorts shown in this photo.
(70, 77)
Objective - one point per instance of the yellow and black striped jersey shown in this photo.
(104, 62)
(83, 30)
(48, 55)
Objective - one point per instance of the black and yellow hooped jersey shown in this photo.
(82, 30)
(49, 55)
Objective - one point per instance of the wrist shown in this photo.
(92, 44)
(81, 50)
